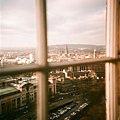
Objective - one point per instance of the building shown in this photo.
(17, 95)
(10, 99)
(112, 59)
(99, 69)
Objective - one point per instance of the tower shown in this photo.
(54, 86)
(2, 61)
(66, 50)
(94, 54)
(31, 57)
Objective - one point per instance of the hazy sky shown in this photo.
(69, 22)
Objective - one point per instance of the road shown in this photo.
(33, 112)
(31, 115)
(69, 112)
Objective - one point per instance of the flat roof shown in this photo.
(8, 90)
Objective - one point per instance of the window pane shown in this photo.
(77, 92)
(18, 96)
(18, 32)
(76, 29)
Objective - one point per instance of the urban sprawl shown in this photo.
(75, 92)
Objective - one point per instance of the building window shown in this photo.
(43, 66)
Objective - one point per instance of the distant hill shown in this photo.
(62, 46)
(76, 46)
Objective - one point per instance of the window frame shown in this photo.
(43, 66)
(111, 51)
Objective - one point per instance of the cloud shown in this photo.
(69, 21)
(75, 17)
(18, 23)
(18, 13)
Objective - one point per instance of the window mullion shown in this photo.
(42, 104)
(111, 51)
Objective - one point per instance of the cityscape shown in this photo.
(75, 31)
(75, 92)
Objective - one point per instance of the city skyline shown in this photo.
(74, 22)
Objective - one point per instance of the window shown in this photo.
(43, 66)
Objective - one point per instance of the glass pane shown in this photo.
(77, 93)
(76, 29)
(18, 97)
(18, 32)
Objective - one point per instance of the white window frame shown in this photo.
(43, 66)
(111, 51)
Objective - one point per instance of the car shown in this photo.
(78, 110)
(58, 115)
(54, 115)
(83, 105)
(61, 98)
(73, 114)
(62, 112)
(25, 112)
(86, 104)
(67, 118)
(21, 108)
(67, 107)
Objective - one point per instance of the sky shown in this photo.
(68, 22)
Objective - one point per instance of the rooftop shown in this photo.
(7, 91)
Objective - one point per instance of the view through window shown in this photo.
(75, 32)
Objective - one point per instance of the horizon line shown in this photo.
(31, 47)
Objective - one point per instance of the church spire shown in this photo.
(66, 50)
